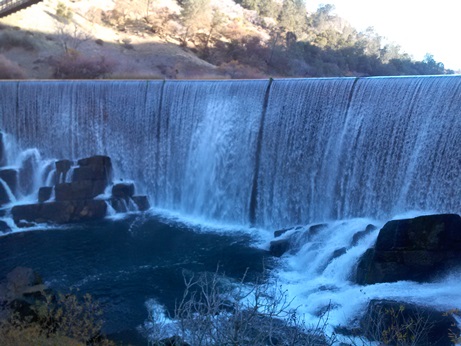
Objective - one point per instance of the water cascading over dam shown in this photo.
(265, 153)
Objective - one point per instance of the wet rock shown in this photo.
(281, 232)
(60, 211)
(84, 189)
(4, 197)
(94, 168)
(338, 253)
(360, 235)
(278, 247)
(62, 168)
(123, 190)
(10, 177)
(4, 228)
(44, 193)
(141, 202)
(2, 151)
(27, 171)
(402, 323)
(416, 249)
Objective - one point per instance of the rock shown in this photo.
(27, 172)
(2, 151)
(119, 204)
(141, 202)
(62, 168)
(294, 241)
(10, 177)
(338, 253)
(4, 228)
(99, 167)
(410, 323)
(84, 189)
(278, 247)
(416, 249)
(4, 196)
(360, 235)
(60, 211)
(281, 232)
(123, 190)
(44, 194)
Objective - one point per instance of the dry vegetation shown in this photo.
(193, 39)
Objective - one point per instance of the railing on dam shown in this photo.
(8, 7)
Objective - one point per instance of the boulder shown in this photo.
(4, 196)
(84, 189)
(94, 168)
(4, 228)
(123, 190)
(295, 240)
(416, 249)
(27, 171)
(10, 177)
(361, 234)
(44, 194)
(19, 282)
(62, 168)
(141, 202)
(395, 322)
(280, 246)
(2, 151)
(60, 211)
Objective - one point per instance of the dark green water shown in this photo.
(126, 262)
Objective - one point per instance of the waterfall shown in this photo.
(274, 154)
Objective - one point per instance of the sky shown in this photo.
(418, 26)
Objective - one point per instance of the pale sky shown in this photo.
(418, 26)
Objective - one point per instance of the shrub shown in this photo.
(53, 320)
(12, 39)
(75, 66)
(10, 69)
(211, 313)
(63, 12)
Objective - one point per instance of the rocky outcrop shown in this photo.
(416, 249)
(395, 323)
(4, 227)
(60, 212)
(10, 177)
(292, 239)
(75, 201)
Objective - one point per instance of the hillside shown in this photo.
(192, 39)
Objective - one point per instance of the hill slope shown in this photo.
(191, 39)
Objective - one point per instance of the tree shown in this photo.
(195, 14)
(292, 17)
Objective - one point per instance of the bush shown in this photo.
(53, 320)
(211, 313)
(12, 39)
(10, 69)
(75, 66)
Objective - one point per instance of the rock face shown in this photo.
(402, 323)
(416, 249)
(75, 200)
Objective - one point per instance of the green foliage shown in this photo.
(292, 17)
(63, 12)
